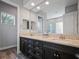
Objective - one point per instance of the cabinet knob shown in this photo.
(57, 55)
(54, 54)
(77, 55)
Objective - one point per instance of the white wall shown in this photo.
(78, 16)
(70, 23)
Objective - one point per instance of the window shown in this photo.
(7, 18)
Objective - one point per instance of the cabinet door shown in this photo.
(22, 45)
(67, 56)
(50, 54)
(29, 48)
(38, 49)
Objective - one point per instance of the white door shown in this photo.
(8, 26)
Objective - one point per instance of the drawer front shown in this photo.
(62, 48)
(38, 43)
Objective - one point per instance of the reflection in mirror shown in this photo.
(33, 25)
(55, 25)
(54, 16)
(59, 27)
(40, 24)
(25, 24)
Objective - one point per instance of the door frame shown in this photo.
(18, 21)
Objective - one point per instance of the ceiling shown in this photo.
(56, 8)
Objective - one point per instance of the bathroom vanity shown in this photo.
(59, 17)
(44, 48)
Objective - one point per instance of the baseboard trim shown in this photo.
(3, 48)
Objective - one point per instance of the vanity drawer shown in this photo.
(38, 43)
(62, 48)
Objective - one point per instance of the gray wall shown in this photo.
(8, 33)
(78, 16)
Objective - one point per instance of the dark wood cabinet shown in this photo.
(67, 56)
(22, 45)
(51, 54)
(35, 49)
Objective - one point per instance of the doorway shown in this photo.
(8, 25)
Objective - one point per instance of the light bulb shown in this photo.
(47, 3)
(32, 4)
(38, 8)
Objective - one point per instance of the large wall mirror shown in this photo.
(55, 16)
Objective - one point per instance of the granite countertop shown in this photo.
(68, 42)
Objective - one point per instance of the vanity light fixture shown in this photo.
(47, 2)
(32, 4)
(38, 8)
